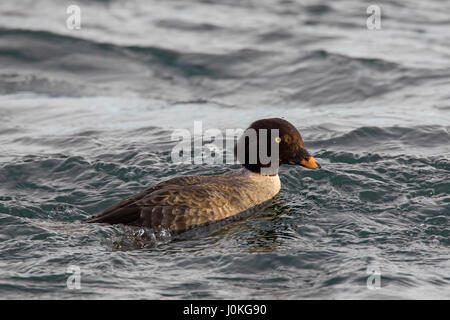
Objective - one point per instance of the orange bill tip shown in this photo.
(310, 163)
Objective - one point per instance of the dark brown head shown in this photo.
(276, 138)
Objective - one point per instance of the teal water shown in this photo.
(87, 117)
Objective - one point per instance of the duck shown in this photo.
(186, 202)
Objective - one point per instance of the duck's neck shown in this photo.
(257, 168)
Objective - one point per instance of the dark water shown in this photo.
(87, 117)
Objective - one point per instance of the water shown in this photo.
(87, 117)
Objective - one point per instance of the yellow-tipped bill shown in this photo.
(310, 163)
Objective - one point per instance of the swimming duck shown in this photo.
(182, 203)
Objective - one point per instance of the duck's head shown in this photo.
(268, 143)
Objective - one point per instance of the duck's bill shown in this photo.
(304, 159)
(309, 163)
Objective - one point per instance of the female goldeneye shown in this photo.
(181, 203)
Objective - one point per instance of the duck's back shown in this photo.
(183, 202)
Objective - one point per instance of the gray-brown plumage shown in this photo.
(180, 203)
(184, 202)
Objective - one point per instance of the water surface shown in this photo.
(87, 117)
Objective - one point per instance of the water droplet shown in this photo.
(435, 243)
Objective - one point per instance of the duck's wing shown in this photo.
(181, 203)
(181, 207)
(127, 210)
(176, 204)
(124, 211)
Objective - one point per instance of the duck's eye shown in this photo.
(277, 139)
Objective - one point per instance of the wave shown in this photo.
(390, 139)
(40, 46)
(45, 61)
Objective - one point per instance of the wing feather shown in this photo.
(182, 202)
